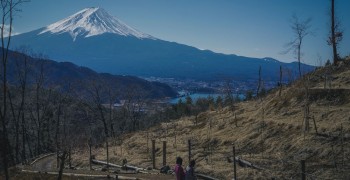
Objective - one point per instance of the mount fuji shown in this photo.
(95, 39)
(92, 22)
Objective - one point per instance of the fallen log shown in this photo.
(142, 170)
(244, 163)
(105, 163)
(137, 169)
(83, 175)
(205, 177)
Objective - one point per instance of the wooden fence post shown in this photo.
(189, 151)
(90, 159)
(154, 153)
(303, 174)
(164, 153)
(234, 162)
(342, 144)
(313, 117)
(70, 157)
(121, 147)
(147, 143)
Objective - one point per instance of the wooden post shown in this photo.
(236, 120)
(303, 174)
(280, 83)
(107, 152)
(164, 153)
(90, 144)
(175, 144)
(334, 158)
(189, 151)
(313, 117)
(234, 162)
(57, 160)
(147, 145)
(342, 144)
(121, 147)
(70, 157)
(154, 153)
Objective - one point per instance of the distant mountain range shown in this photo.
(95, 39)
(63, 75)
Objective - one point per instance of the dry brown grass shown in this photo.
(269, 134)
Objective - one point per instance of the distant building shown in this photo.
(119, 103)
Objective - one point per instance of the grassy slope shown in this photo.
(269, 134)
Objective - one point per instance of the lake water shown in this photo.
(196, 96)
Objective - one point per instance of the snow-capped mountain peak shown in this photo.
(91, 22)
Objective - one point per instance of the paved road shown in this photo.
(45, 164)
(48, 164)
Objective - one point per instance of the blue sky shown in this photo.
(253, 28)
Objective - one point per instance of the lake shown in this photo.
(196, 96)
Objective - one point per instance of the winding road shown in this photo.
(47, 164)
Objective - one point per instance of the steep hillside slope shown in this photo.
(268, 132)
(65, 74)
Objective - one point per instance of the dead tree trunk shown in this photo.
(259, 83)
(62, 159)
(90, 158)
(234, 162)
(153, 154)
(189, 151)
(313, 117)
(280, 83)
(333, 36)
(164, 153)
(306, 120)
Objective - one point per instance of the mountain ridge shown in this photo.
(130, 55)
(62, 74)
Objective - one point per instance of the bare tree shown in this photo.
(8, 8)
(259, 83)
(99, 93)
(64, 134)
(336, 35)
(97, 102)
(280, 82)
(301, 28)
(18, 106)
(60, 106)
(228, 95)
(134, 106)
(41, 109)
(306, 121)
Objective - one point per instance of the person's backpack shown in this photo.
(164, 169)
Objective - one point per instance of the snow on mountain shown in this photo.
(91, 22)
(106, 44)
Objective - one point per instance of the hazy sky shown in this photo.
(253, 28)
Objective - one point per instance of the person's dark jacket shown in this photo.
(190, 173)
